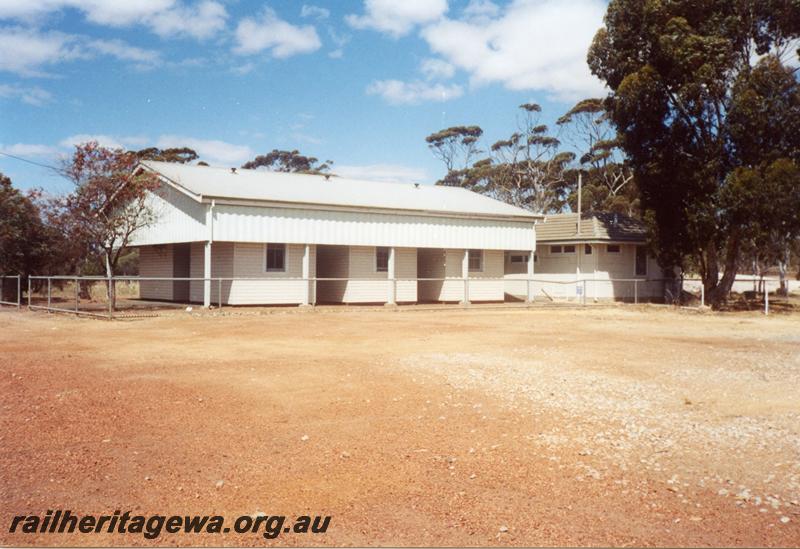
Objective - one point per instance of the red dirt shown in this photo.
(587, 427)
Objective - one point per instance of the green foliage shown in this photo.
(179, 155)
(456, 147)
(608, 181)
(288, 161)
(27, 244)
(704, 127)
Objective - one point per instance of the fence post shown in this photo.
(583, 297)
(635, 292)
(77, 294)
(48, 294)
(19, 292)
(110, 292)
(29, 292)
(219, 293)
(702, 294)
(766, 299)
(2, 295)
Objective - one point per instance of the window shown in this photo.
(587, 249)
(612, 248)
(519, 258)
(475, 260)
(555, 249)
(569, 249)
(276, 257)
(382, 260)
(640, 267)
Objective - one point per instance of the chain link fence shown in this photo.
(131, 296)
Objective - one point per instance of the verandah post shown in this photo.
(391, 276)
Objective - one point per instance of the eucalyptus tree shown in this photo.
(705, 98)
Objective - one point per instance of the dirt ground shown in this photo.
(609, 426)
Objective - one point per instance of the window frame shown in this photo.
(378, 251)
(284, 247)
(637, 250)
(574, 249)
(588, 249)
(470, 269)
(519, 258)
(556, 249)
(610, 251)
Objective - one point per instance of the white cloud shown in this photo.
(314, 12)
(30, 150)
(397, 18)
(268, 32)
(104, 12)
(480, 10)
(124, 52)
(383, 172)
(436, 69)
(397, 92)
(35, 95)
(164, 17)
(27, 51)
(201, 21)
(98, 11)
(213, 151)
(108, 141)
(532, 45)
(339, 41)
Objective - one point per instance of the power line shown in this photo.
(57, 170)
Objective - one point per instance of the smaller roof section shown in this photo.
(273, 188)
(595, 226)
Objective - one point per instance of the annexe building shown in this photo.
(279, 238)
(607, 250)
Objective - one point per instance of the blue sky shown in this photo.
(360, 83)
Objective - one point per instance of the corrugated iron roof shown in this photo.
(595, 226)
(207, 182)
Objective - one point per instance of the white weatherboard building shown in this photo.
(606, 250)
(278, 238)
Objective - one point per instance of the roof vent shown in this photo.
(327, 176)
(233, 170)
(416, 185)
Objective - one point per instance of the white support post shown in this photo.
(207, 275)
(766, 299)
(391, 276)
(595, 252)
(306, 274)
(529, 282)
(465, 276)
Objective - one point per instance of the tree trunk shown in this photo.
(717, 294)
(783, 265)
(111, 290)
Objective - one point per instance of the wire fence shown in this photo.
(130, 296)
